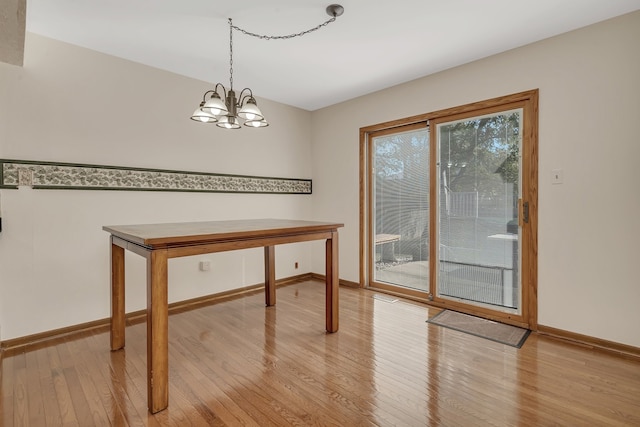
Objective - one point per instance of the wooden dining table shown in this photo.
(160, 242)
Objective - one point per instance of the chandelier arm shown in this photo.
(204, 97)
(242, 97)
(224, 90)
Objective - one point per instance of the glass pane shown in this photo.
(478, 241)
(401, 204)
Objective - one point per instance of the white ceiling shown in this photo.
(370, 47)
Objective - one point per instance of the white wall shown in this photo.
(589, 83)
(54, 256)
(69, 104)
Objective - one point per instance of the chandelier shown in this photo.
(227, 110)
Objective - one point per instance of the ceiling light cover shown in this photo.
(200, 115)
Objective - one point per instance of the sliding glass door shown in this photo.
(449, 208)
(478, 228)
(401, 207)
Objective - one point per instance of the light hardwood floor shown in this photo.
(239, 363)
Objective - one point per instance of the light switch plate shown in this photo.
(557, 176)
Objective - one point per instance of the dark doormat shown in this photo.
(484, 328)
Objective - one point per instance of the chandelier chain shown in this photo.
(230, 54)
(284, 37)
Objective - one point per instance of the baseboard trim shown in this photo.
(15, 345)
(623, 350)
(347, 283)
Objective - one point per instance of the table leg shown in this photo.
(270, 275)
(332, 283)
(117, 297)
(157, 331)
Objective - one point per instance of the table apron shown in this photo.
(223, 246)
(133, 247)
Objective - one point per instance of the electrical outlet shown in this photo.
(296, 265)
(205, 265)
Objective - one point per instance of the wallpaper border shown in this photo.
(78, 176)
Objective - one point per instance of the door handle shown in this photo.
(523, 212)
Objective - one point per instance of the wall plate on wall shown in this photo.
(557, 176)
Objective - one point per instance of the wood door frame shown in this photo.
(528, 101)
